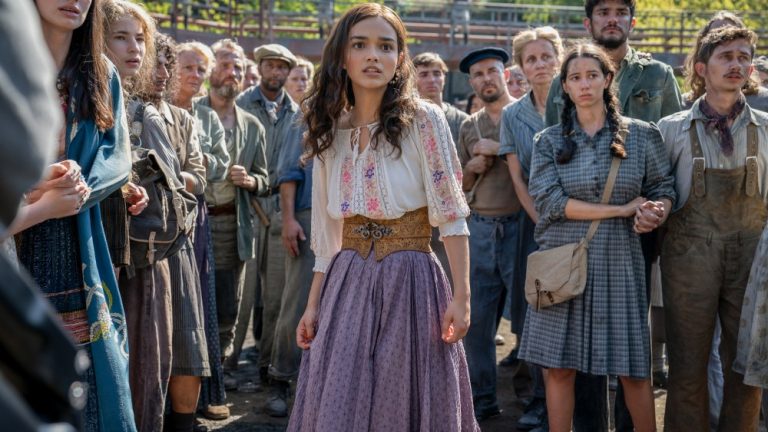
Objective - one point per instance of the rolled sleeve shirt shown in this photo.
(291, 169)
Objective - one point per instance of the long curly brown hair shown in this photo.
(86, 74)
(594, 52)
(331, 91)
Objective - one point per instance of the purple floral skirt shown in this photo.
(378, 362)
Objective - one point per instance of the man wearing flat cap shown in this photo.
(761, 68)
(493, 224)
(270, 103)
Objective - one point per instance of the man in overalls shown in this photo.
(719, 151)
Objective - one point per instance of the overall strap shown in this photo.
(752, 179)
(699, 186)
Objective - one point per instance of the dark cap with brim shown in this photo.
(761, 64)
(481, 54)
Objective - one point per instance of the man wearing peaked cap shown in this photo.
(275, 52)
(493, 224)
(279, 115)
(481, 54)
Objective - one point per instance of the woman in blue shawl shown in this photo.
(68, 257)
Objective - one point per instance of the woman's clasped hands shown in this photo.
(648, 216)
(62, 192)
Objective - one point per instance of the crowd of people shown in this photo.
(375, 234)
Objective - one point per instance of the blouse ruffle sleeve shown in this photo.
(326, 231)
(447, 206)
(548, 194)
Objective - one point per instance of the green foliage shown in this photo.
(662, 25)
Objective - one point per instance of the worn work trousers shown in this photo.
(286, 355)
(704, 278)
(493, 245)
(272, 284)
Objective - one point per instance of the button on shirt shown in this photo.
(221, 192)
(277, 127)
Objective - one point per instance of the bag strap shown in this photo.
(479, 179)
(137, 126)
(609, 184)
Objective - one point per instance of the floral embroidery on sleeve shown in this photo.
(347, 186)
(444, 172)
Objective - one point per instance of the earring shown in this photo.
(395, 79)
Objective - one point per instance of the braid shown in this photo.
(614, 122)
(566, 122)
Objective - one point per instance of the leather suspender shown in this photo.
(699, 165)
(751, 183)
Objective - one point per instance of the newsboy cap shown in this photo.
(761, 64)
(274, 51)
(481, 54)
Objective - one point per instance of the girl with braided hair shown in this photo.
(604, 331)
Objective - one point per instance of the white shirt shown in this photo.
(379, 184)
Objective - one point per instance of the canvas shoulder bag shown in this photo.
(560, 274)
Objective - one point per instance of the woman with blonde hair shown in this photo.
(195, 62)
(537, 52)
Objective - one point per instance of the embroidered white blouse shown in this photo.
(378, 184)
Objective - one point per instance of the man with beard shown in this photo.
(493, 224)
(232, 218)
(648, 91)
(270, 103)
(647, 88)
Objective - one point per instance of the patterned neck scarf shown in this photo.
(716, 121)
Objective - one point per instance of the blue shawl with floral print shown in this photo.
(106, 164)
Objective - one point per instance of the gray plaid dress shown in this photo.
(605, 330)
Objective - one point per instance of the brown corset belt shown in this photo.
(410, 232)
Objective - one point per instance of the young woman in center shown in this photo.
(603, 331)
(381, 330)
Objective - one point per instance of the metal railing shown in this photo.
(432, 21)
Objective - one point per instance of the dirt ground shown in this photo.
(248, 415)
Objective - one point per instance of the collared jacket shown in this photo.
(277, 133)
(182, 131)
(291, 169)
(647, 90)
(249, 152)
(213, 141)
